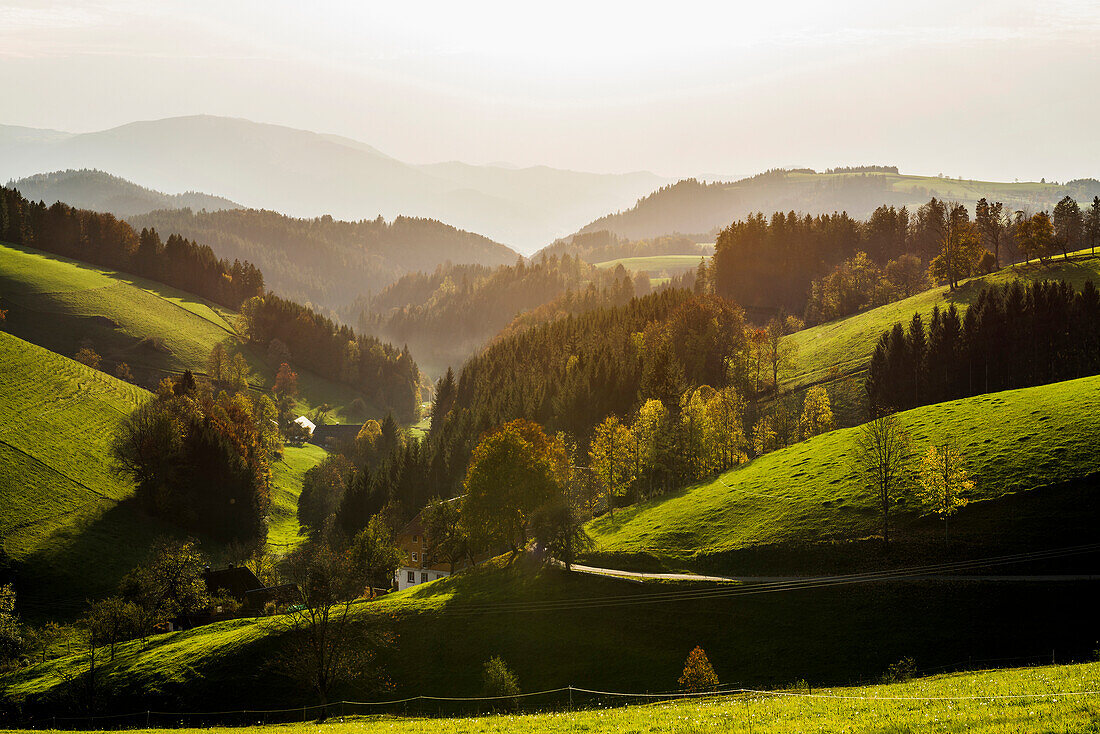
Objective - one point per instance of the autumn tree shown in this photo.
(907, 275)
(170, 584)
(87, 356)
(1035, 235)
(323, 487)
(611, 457)
(883, 457)
(513, 471)
(122, 372)
(943, 482)
(217, 365)
(817, 413)
(498, 681)
(990, 219)
(285, 390)
(11, 629)
(698, 675)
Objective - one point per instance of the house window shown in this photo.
(416, 539)
(414, 556)
(423, 577)
(412, 577)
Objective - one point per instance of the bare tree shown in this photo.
(883, 456)
(325, 646)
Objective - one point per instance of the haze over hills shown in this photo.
(326, 261)
(102, 192)
(693, 207)
(307, 174)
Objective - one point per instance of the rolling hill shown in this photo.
(325, 261)
(549, 627)
(1017, 442)
(836, 353)
(158, 331)
(694, 207)
(102, 192)
(306, 174)
(63, 504)
(66, 525)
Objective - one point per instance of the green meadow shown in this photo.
(1036, 700)
(656, 264)
(158, 331)
(1014, 441)
(283, 530)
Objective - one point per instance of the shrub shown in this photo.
(498, 680)
(699, 675)
(900, 671)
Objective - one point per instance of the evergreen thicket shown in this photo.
(1012, 336)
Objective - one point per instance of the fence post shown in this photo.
(570, 697)
(146, 718)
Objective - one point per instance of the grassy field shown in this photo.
(1014, 441)
(59, 303)
(1020, 700)
(65, 520)
(63, 506)
(557, 629)
(655, 265)
(844, 346)
(282, 526)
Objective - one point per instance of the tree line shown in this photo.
(832, 265)
(291, 331)
(1012, 336)
(294, 333)
(103, 240)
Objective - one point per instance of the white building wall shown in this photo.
(419, 576)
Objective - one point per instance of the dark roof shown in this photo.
(338, 432)
(237, 580)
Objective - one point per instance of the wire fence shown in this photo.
(566, 698)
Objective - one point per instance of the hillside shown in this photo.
(1017, 441)
(63, 504)
(102, 192)
(158, 331)
(324, 261)
(306, 174)
(549, 628)
(693, 207)
(837, 352)
(283, 529)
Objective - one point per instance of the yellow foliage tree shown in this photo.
(943, 481)
(698, 675)
(817, 413)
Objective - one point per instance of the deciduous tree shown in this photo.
(944, 482)
(698, 675)
(883, 457)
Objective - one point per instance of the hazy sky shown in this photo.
(996, 90)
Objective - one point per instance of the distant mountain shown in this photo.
(325, 261)
(696, 208)
(102, 192)
(306, 174)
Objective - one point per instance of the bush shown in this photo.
(699, 675)
(900, 671)
(498, 680)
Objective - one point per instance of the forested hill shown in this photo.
(102, 192)
(325, 261)
(601, 246)
(694, 207)
(448, 315)
(285, 329)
